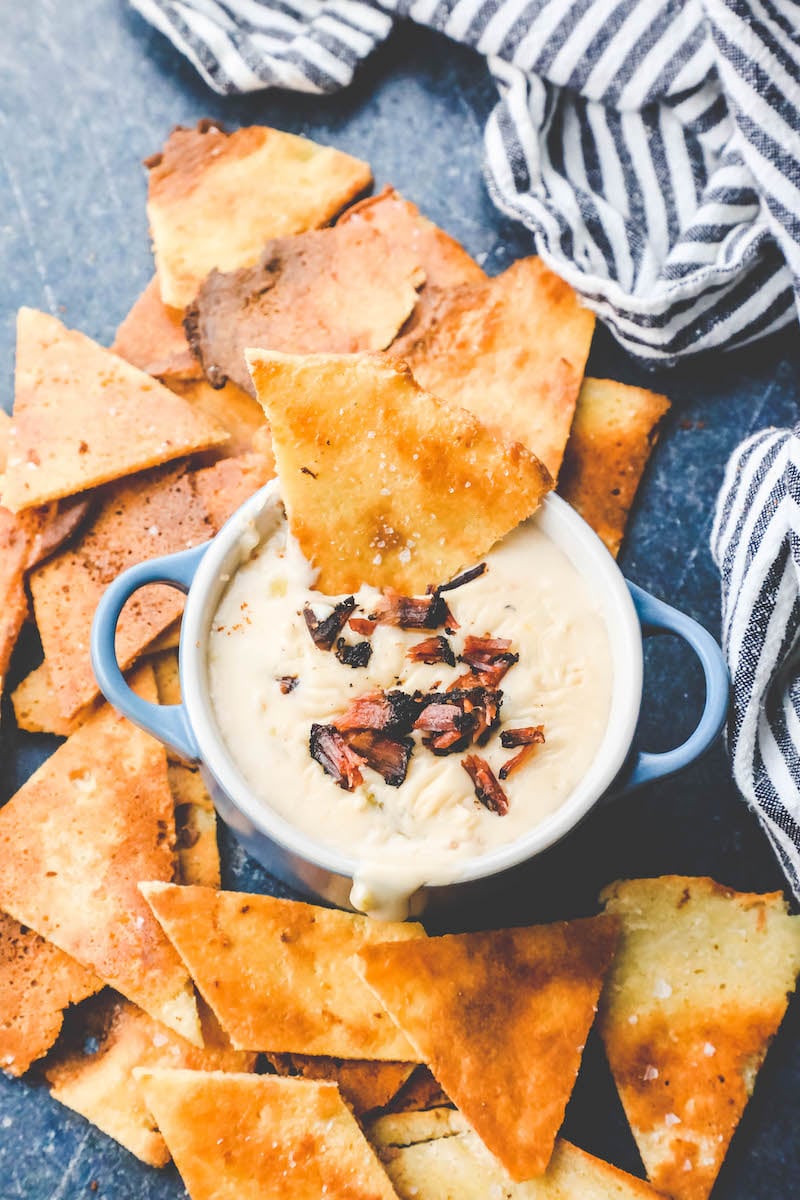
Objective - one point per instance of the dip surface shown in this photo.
(423, 830)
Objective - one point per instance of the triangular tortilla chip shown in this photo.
(215, 198)
(260, 1137)
(234, 410)
(512, 350)
(78, 836)
(691, 1004)
(152, 338)
(614, 430)
(168, 680)
(365, 1084)
(442, 1159)
(383, 483)
(152, 514)
(275, 971)
(83, 417)
(15, 544)
(37, 982)
(224, 487)
(100, 1084)
(331, 291)
(501, 1019)
(420, 1092)
(195, 827)
(170, 639)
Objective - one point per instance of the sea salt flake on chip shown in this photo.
(215, 198)
(383, 483)
(365, 1084)
(511, 349)
(334, 291)
(275, 971)
(613, 432)
(77, 837)
(255, 1137)
(82, 416)
(698, 964)
(440, 1158)
(501, 1019)
(153, 339)
(100, 1084)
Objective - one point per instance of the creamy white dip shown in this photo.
(425, 829)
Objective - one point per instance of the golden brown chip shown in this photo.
(420, 1092)
(512, 350)
(274, 971)
(236, 411)
(444, 261)
(36, 706)
(170, 639)
(155, 513)
(5, 432)
(365, 1084)
(216, 198)
(152, 338)
(697, 991)
(442, 1158)
(195, 826)
(15, 544)
(255, 1137)
(101, 1086)
(83, 417)
(383, 483)
(53, 525)
(168, 683)
(224, 487)
(614, 430)
(77, 837)
(37, 982)
(332, 291)
(501, 1019)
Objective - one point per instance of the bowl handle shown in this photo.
(657, 617)
(167, 722)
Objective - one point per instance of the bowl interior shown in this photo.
(571, 534)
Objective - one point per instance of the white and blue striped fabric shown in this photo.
(652, 146)
(756, 544)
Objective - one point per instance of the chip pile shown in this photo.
(420, 411)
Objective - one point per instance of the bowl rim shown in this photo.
(563, 525)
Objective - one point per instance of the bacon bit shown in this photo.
(414, 612)
(453, 719)
(464, 577)
(530, 735)
(325, 632)
(519, 760)
(362, 626)
(377, 710)
(432, 650)
(386, 755)
(287, 683)
(335, 757)
(487, 789)
(491, 657)
(353, 656)
(308, 471)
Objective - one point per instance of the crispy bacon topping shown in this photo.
(287, 683)
(453, 719)
(336, 758)
(393, 712)
(353, 656)
(490, 657)
(464, 577)
(386, 755)
(487, 789)
(529, 735)
(325, 632)
(518, 760)
(432, 650)
(362, 626)
(414, 612)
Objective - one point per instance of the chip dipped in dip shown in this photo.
(412, 734)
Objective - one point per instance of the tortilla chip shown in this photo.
(275, 971)
(37, 982)
(155, 513)
(512, 350)
(420, 1092)
(170, 639)
(614, 430)
(168, 681)
(383, 483)
(79, 834)
(196, 827)
(332, 291)
(36, 706)
(444, 261)
(215, 198)
(101, 1086)
(501, 1019)
(152, 338)
(255, 1137)
(224, 487)
(691, 1004)
(15, 546)
(83, 417)
(53, 525)
(449, 1161)
(231, 408)
(364, 1083)
(5, 433)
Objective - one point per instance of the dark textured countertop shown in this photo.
(88, 91)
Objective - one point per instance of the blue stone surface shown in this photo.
(88, 90)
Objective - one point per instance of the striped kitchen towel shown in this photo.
(651, 146)
(756, 545)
